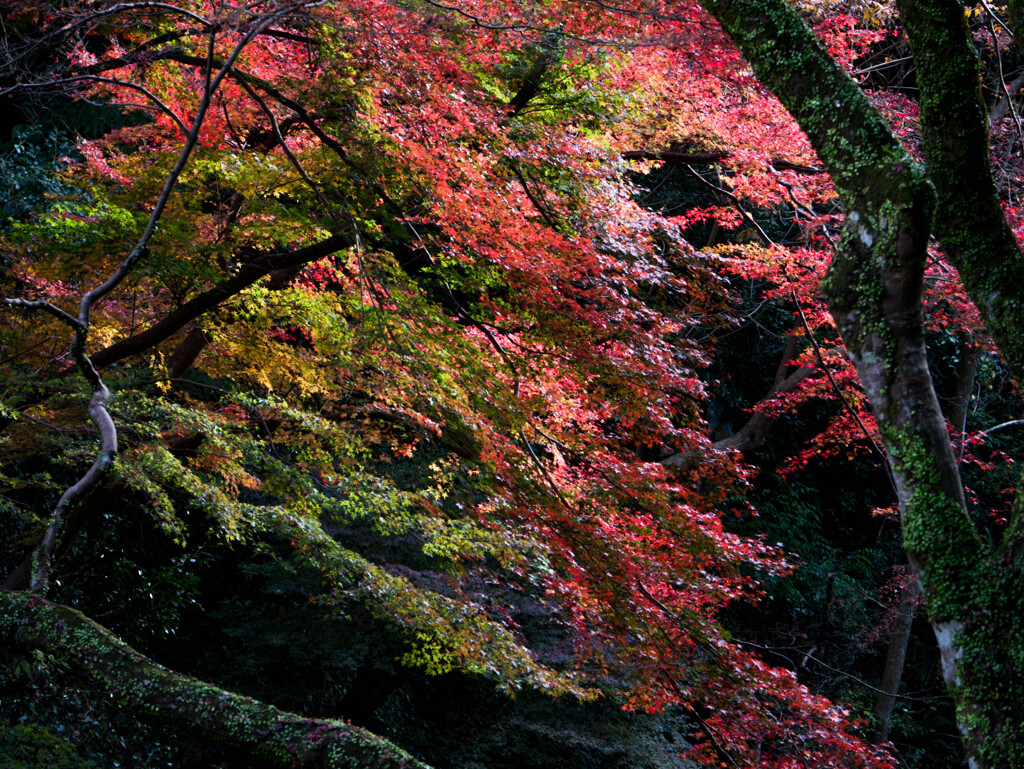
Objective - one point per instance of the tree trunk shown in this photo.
(969, 219)
(895, 658)
(974, 596)
(960, 401)
(270, 736)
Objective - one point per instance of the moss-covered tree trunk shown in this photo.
(973, 594)
(969, 219)
(272, 737)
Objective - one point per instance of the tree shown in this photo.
(288, 294)
(362, 287)
(971, 586)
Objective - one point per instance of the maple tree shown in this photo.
(325, 243)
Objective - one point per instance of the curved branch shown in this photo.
(208, 300)
(279, 135)
(142, 247)
(266, 734)
(160, 105)
(47, 307)
(42, 556)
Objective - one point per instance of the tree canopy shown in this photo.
(422, 317)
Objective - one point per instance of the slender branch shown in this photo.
(47, 307)
(1002, 79)
(284, 145)
(42, 556)
(731, 196)
(883, 65)
(683, 699)
(840, 394)
(1004, 426)
(713, 156)
(142, 247)
(992, 15)
(541, 209)
(1001, 107)
(160, 105)
(545, 473)
(210, 299)
(309, 120)
(843, 673)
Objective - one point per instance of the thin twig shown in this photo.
(862, 682)
(704, 725)
(159, 104)
(731, 196)
(284, 145)
(44, 306)
(840, 394)
(999, 62)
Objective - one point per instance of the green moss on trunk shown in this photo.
(272, 736)
(969, 220)
(975, 598)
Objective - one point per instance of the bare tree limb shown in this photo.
(754, 433)
(43, 555)
(159, 104)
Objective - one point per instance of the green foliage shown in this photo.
(31, 746)
(29, 165)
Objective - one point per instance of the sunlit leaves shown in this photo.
(476, 391)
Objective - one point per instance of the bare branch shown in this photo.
(142, 247)
(841, 395)
(160, 105)
(1004, 426)
(42, 558)
(1007, 96)
(284, 144)
(43, 555)
(47, 307)
(731, 196)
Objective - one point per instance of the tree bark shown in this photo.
(895, 658)
(754, 433)
(873, 289)
(960, 400)
(969, 219)
(268, 735)
(202, 303)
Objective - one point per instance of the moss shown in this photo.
(263, 731)
(975, 598)
(977, 590)
(936, 529)
(969, 219)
